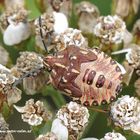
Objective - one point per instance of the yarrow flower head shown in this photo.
(29, 67)
(75, 117)
(128, 6)
(28, 61)
(69, 37)
(125, 113)
(113, 136)
(47, 24)
(34, 112)
(133, 57)
(87, 16)
(110, 29)
(48, 136)
(4, 134)
(15, 20)
(8, 93)
(4, 56)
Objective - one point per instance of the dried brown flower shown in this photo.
(48, 136)
(110, 29)
(113, 136)
(133, 57)
(125, 113)
(87, 16)
(47, 21)
(4, 134)
(128, 5)
(34, 112)
(31, 65)
(8, 93)
(75, 117)
(69, 37)
(4, 56)
(27, 62)
(13, 15)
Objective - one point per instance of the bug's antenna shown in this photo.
(41, 34)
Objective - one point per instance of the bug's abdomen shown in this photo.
(99, 81)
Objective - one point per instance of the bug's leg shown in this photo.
(98, 110)
(121, 51)
(24, 76)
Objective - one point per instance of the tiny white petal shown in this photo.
(59, 130)
(61, 22)
(15, 33)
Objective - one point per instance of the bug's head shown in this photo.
(49, 62)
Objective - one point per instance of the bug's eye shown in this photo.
(49, 69)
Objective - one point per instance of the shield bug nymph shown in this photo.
(87, 75)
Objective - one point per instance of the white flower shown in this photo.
(89, 139)
(28, 61)
(59, 130)
(125, 112)
(10, 93)
(113, 136)
(69, 37)
(75, 117)
(87, 14)
(110, 29)
(60, 22)
(33, 113)
(15, 33)
(48, 136)
(73, 107)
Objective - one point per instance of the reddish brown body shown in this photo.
(87, 75)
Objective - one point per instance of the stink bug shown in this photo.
(88, 75)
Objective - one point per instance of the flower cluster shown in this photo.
(68, 38)
(125, 113)
(75, 117)
(8, 93)
(27, 62)
(48, 136)
(4, 135)
(47, 24)
(15, 20)
(110, 29)
(87, 16)
(14, 15)
(128, 6)
(113, 136)
(133, 56)
(34, 112)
